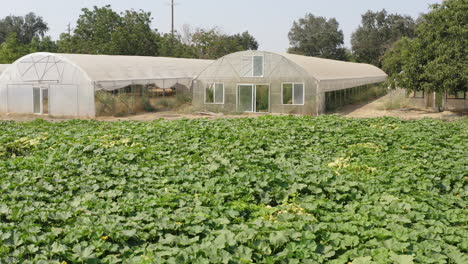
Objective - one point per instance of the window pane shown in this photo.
(258, 66)
(45, 101)
(245, 98)
(287, 93)
(219, 93)
(298, 93)
(209, 94)
(37, 100)
(246, 70)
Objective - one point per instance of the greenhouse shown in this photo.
(95, 85)
(3, 67)
(257, 81)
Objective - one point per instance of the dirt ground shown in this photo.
(375, 109)
(369, 109)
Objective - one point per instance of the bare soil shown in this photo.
(375, 109)
(364, 110)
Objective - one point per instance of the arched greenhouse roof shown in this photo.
(111, 72)
(114, 67)
(326, 69)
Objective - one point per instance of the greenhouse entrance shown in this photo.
(41, 100)
(253, 98)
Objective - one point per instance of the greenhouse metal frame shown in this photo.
(318, 79)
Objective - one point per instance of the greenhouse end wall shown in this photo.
(232, 71)
(231, 97)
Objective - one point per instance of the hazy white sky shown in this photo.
(269, 21)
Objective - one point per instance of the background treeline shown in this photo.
(101, 30)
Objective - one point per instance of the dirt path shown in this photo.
(375, 109)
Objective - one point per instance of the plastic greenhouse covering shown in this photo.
(3, 67)
(258, 81)
(94, 85)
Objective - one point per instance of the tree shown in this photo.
(377, 32)
(26, 28)
(246, 41)
(45, 44)
(392, 62)
(173, 46)
(317, 36)
(436, 59)
(12, 49)
(104, 31)
(213, 44)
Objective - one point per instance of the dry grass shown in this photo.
(395, 100)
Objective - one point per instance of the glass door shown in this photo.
(245, 95)
(262, 98)
(41, 100)
(36, 100)
(45, 100)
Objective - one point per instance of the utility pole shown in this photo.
(69, 31)
(172, 9)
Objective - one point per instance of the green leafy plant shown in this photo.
(273, 189)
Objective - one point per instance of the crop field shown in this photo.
(274, 189)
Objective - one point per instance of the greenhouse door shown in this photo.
(41, 100)
(245, 95)
(262, 98)
(253, 98)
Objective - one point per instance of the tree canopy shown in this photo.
(26, 28)
(104, 31)
(377, 32)
(101, 30)
(213, 44)
(22, 35)
(317, 36)
(436, 59)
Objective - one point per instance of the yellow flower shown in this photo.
(104, 237)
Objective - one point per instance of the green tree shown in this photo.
(172, 46)
(245, 40)
(104, 31)
(213, 44)
(436, 59)
(12, 49)
(26, 28)
(377, 32)
(45, 44)
(317, 36)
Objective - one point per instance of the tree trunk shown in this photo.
(439, 101)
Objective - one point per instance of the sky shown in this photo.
(269, 21)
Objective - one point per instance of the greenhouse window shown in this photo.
(253, 66)
(214, 93)
(292, 93)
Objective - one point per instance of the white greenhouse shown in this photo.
(3, 67)
(93, 85)
(257, 81)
